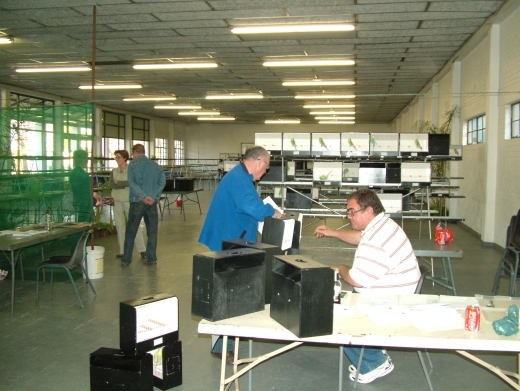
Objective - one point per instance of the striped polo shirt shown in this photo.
(384, 259)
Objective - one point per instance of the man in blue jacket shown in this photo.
(146, 181)
(235, 208)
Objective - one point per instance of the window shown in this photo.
(161, 151)
(141, 133)
(179, 152)
(476, 130)
(113, 136)
(515, 120)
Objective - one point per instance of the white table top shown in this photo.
(359, 329)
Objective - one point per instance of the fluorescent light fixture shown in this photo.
(111, 86)
(199, 113)
(156, 98)
(308, 63)
(282, 121)
(5, 40)
(178, 107)
(337, 122)
(331, 118)
(329, 106)
(216, 118)
(295, 28)
(53, 69)
(241, 96)
(332, 112)
(193, 65)
(324, 96)
(319, 82)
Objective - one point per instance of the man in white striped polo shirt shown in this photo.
(384, 262)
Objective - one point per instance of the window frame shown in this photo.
(476, 130)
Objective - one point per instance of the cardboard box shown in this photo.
(303, 295)
(228, 283)
(269, 251)
(112, 370)
(148, 322)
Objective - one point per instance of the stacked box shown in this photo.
(228, 283)
(355, 144)
(302, 295)
(167, 365)
(296, 144)
(372, 173)
(269, 250)
(384, 144)
(326, 144)
(147, 323)
(112, 370)
(272, 142)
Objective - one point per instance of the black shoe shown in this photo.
(143, 255)
(120, 255)
(229, 357)
(123, 265)
(149, 263)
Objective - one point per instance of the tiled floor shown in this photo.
(46, 346)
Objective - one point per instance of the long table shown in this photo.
(14, 245)
(427, 248)
(184, 196)
(358, 330)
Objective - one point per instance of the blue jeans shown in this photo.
(372, 358)
(138, 211)
(217, 348)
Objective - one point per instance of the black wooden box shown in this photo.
(148, 322)
(167, 366)
(274, 232)
(269, 250)
(179, 184)
(302, 296)
(112, 370)
(228, 283)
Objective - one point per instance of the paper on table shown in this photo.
(268, 201)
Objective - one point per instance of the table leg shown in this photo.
(182, 206)
(250, 372)
(198, 202)
(448, 274)
(223, 364)
(340, 374)
(13, 277)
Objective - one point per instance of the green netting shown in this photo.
(37, 167)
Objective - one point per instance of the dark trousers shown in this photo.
(138, 211)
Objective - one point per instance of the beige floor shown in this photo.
(47, 346)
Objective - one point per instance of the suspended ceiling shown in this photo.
(397, 46)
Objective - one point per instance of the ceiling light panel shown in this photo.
(177, 107)
(241, 96)
(111, 87)
(295, 28)
(199, 113)
(309, 63)
(176, 66)
(157, 98)
(337, 122)
(331, 118)
(329, 106)
(332, 112)
(282, 121)
(318, 82)
(216, 118)
(53, 69)
(324, 96)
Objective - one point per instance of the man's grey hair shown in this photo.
(253, 153)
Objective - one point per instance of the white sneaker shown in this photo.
(382, 370)
(352, 368)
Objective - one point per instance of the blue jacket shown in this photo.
(235, 207)
(146, 179)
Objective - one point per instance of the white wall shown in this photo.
(483, 78)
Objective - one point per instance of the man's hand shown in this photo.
(149, 201)
(322, 231)
(343, 271)
(278, 214)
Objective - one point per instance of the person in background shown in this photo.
(384, 262)
(121, 196)
(236, 208)
(146, 180)
(83, 198)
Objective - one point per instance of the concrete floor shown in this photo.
(46, 346)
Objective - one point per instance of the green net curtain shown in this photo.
(37, 145)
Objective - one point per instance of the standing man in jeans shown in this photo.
(146, 180)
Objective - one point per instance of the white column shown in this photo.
(435, 104)
(456, 128)
(491, 140)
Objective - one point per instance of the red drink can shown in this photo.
(472, 320)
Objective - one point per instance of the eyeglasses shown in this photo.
(352, 212)
(266, 164)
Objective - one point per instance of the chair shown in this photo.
(67, 263)
(510, 258)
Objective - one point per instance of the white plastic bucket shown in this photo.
(95, 259)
